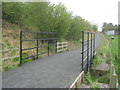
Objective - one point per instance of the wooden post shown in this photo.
(76, 86)
(57, 47)
(5, 54)
(111, 73)
(114, 80)
(83, 77)
(113, 77)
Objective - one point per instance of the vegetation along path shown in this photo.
(55, 71)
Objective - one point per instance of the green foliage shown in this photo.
(46, 17)
(95, 86)
(115, 51)
(109, 26)
(89, 78)
(13, 63)
(25, 60)
(94, 27)
(16, 59)
(104, 79)
(92, 80)
(12, 12)
(9, 65)
(97, 60)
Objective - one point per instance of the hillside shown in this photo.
(11, 42)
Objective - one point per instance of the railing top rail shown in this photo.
(88, 32)
(40, 32)
(40, 39)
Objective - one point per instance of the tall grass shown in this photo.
(115, 54)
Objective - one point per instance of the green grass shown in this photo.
(104, 46)
(102, 50)
(97, 60)
(115, 52)
(92, 78)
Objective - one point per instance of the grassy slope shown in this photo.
(103, 49)
(11, 36)
(115, 53)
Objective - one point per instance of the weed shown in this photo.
(16, 59)
(97, 60)
(104, 79)
(95, 86)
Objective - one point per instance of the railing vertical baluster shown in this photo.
(91, 51)
(56, 43)
(94, 45)
(87, 51)
(82, 48)
(48, 46)
(37, 46)
(20, 47)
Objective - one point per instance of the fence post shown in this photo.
(37, 46)
(20, 47)
(114, 82)
(113, 76)
(87, 51)
(6, 54)
(82, 48)
(111, 72)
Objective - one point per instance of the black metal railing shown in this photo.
(88, 49)
(49, 38)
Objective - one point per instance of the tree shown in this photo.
(12, 12)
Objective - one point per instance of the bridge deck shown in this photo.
(55, 71)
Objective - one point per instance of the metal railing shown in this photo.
(46, 37)
(88, 49)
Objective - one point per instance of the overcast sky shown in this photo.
(95, 11)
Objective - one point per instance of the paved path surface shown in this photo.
(56, 71)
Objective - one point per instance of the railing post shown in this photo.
(20, 47)
(56, 43)
(87, 51)
(37, 46)
(94, 46)
(91, 51)
(82, 48)
(48, 47)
